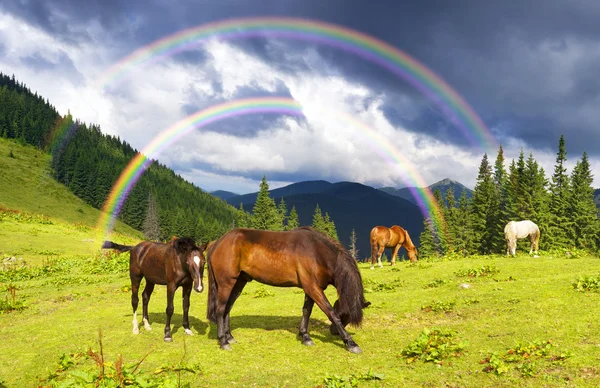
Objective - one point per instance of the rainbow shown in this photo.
(278, 105)
(363, 45)
(63, 130)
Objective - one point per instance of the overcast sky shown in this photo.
(530, 69)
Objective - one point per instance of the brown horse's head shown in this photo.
(412, 254)
(193, 257)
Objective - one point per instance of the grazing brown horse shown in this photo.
(301, 258)
(179, 262)
(383, 237)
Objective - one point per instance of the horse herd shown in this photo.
(302, 257)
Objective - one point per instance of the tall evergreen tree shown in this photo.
(484, 207)
(293, 221)
(559, 227)
(441, 235)
(465, 240)
(329, 227)
(353, 250)
(581, 207)
(318, 222)
(266, 216)
(502, 213)
(151, 226)
(241, 218)
(451, 220)
(427, 245)
(282, 212)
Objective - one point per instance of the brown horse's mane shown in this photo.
(327, 237)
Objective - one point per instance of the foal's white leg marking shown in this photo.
(188, 332)
(136, 329)
(147, 325)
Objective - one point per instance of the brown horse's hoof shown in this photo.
(354, 349)
(168, 339)
(308, 342)
(226, 347)
(231, 340)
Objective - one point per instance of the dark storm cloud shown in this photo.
(527, 65)
(63, 65)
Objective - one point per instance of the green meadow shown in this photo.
(482, 321)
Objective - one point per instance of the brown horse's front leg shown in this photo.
(321, 300)
(306, 311)
(394, 254)
(170, 295)
(187, 290)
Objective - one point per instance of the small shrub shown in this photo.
(337, 381)
(439, 306)
(435, 283)
(587, 283)
(263, 292)
(19, 216)
(10, 153)
(384, 286)
(11, 304)
(525, 357)
(486, 270)
(433, 345)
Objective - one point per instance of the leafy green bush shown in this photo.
(526, 358)
(486, 270)
(433, 345)
(435, 283)
(337, 381)
(587, 283)
(19, 216)
(374, 286)
(438, 306)
(11, 304)
(263, 292)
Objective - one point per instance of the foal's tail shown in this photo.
(118, 247)
(211, 305)
(349, 286)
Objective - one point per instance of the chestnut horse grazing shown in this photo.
(521, 229)
(301, 258)
(383, 237)
(179, 262)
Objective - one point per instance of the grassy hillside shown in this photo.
(27, 186)
(505, 312)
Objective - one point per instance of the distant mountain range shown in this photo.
(443, 185)
(223, 194)
(351, 206)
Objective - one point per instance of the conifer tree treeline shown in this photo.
(89, 163)
(563, 208)
(267, 215)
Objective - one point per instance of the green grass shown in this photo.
(26, 185)
(528, 301)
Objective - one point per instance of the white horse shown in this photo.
(521, 229)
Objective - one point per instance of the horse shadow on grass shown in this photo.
(316, 329)
(196, 324)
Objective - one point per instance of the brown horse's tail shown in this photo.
(118, 247)
(409, 242)
(349, 286)
(211, 305)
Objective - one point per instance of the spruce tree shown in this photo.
(581, 208)
(282, 212)
(293, 221)
(502, 214)
(241, 218)
(483, 207)
(465, 243)
(353, 250)
(329, 227)
(266, 216)
(151, 226)
(318, 222)
(441, 235)
(427, 245)
(451, 221)
(559, 228)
